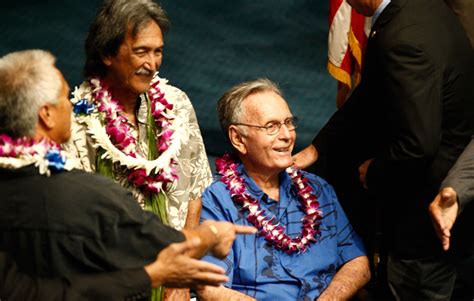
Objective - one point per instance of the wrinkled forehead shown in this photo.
(265, 106)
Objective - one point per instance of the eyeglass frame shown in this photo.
(293, 120)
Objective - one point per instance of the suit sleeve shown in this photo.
(343, 128)
(123, 285)
(461, 176)
(411, 90)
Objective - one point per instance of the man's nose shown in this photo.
(151, 62)
(284, 132)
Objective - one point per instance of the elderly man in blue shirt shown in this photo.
(307, 248)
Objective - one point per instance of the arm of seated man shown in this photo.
(351, 277)
(210, 293)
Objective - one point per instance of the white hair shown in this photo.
(28, 80)
(229, 106)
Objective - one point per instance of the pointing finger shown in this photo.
(245, 229)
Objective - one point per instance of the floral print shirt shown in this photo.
(192, 165)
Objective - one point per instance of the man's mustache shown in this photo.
(145, 71)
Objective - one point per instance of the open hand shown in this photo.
(173, 268)
(443, 211)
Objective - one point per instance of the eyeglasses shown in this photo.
(273, 127)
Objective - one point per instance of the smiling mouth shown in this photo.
(282, 150)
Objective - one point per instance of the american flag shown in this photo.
(348, 32)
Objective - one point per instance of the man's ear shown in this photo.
(237, 139)
(45, 115)
(107, 60)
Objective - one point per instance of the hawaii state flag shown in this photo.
(348, 32)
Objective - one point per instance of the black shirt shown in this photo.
(75, 222)
(120, 285)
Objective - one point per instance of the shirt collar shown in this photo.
(255, 190)
(379, 10)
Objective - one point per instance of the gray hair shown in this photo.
(229, 106)
(108, 30)
(28, 80)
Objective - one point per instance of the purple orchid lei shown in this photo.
(275, 234)
(48, 154)
(118, 129)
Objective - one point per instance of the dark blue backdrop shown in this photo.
(211, 46)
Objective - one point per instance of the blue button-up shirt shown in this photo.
(261, 271)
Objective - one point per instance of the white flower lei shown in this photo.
(101, 138)
(18, 153)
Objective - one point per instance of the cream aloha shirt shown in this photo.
(192, 165)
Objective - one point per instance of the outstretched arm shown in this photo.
(210, 236)
(461, 177)
(216, 237)
(173, 268)
(351, 277)
(306, 157)
(457, 191)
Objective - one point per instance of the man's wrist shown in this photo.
(153, 274)
(215, 232)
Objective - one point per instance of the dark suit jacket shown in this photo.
(130, 284)
(413, 112)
